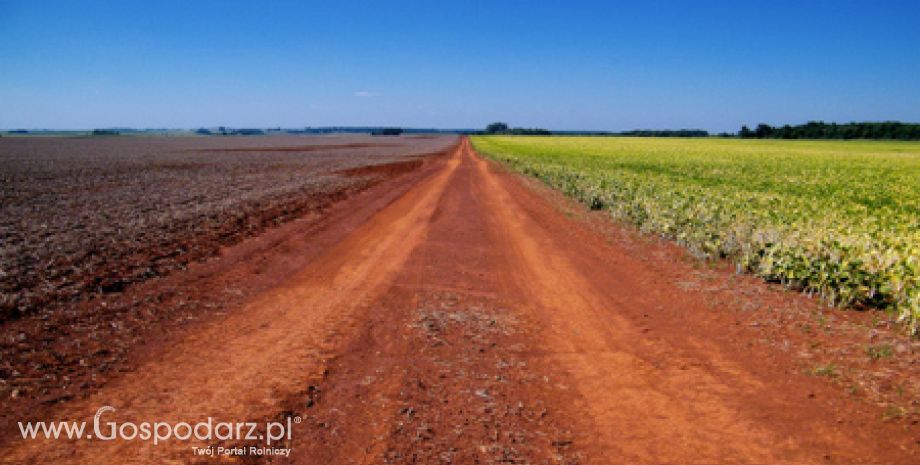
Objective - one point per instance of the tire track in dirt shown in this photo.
(501, 341)
(471, 322)
(241, 368)
(671, 399)
(445, 371)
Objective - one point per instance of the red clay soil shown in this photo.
(69, 354)
(468, 319)
(388, 169)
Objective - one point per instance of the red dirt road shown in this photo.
(471, 321)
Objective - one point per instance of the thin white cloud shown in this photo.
(366, 93)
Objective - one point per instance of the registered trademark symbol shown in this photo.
(298, 419)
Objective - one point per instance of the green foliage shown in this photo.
(497, 128)
(821, 130)
(502, 128)
(836, 219)
(880, 351)
(665, 133)
(829, 370)
(529, 132)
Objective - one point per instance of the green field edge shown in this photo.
(903, 306)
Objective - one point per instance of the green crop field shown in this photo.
(836, 218)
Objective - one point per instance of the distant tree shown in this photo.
(247, 132)
(497, 128)
(763, 130)
(387, 132)
(528, 132)
(502, 128)
(666, 133)
(785, 132)
(820, 130)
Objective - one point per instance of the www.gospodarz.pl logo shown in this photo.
(156, 432)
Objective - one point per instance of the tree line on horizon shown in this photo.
(503, 128)
(665, 133)
(499, 128)
(889, 130)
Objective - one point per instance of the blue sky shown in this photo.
(561, 65)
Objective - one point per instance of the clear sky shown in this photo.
(561, 65)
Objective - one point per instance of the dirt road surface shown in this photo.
(470, 320)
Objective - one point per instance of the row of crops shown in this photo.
(840, 219)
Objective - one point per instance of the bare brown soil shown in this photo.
(73, 266)
(300, 148)
(461, 315)
(82, 217)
